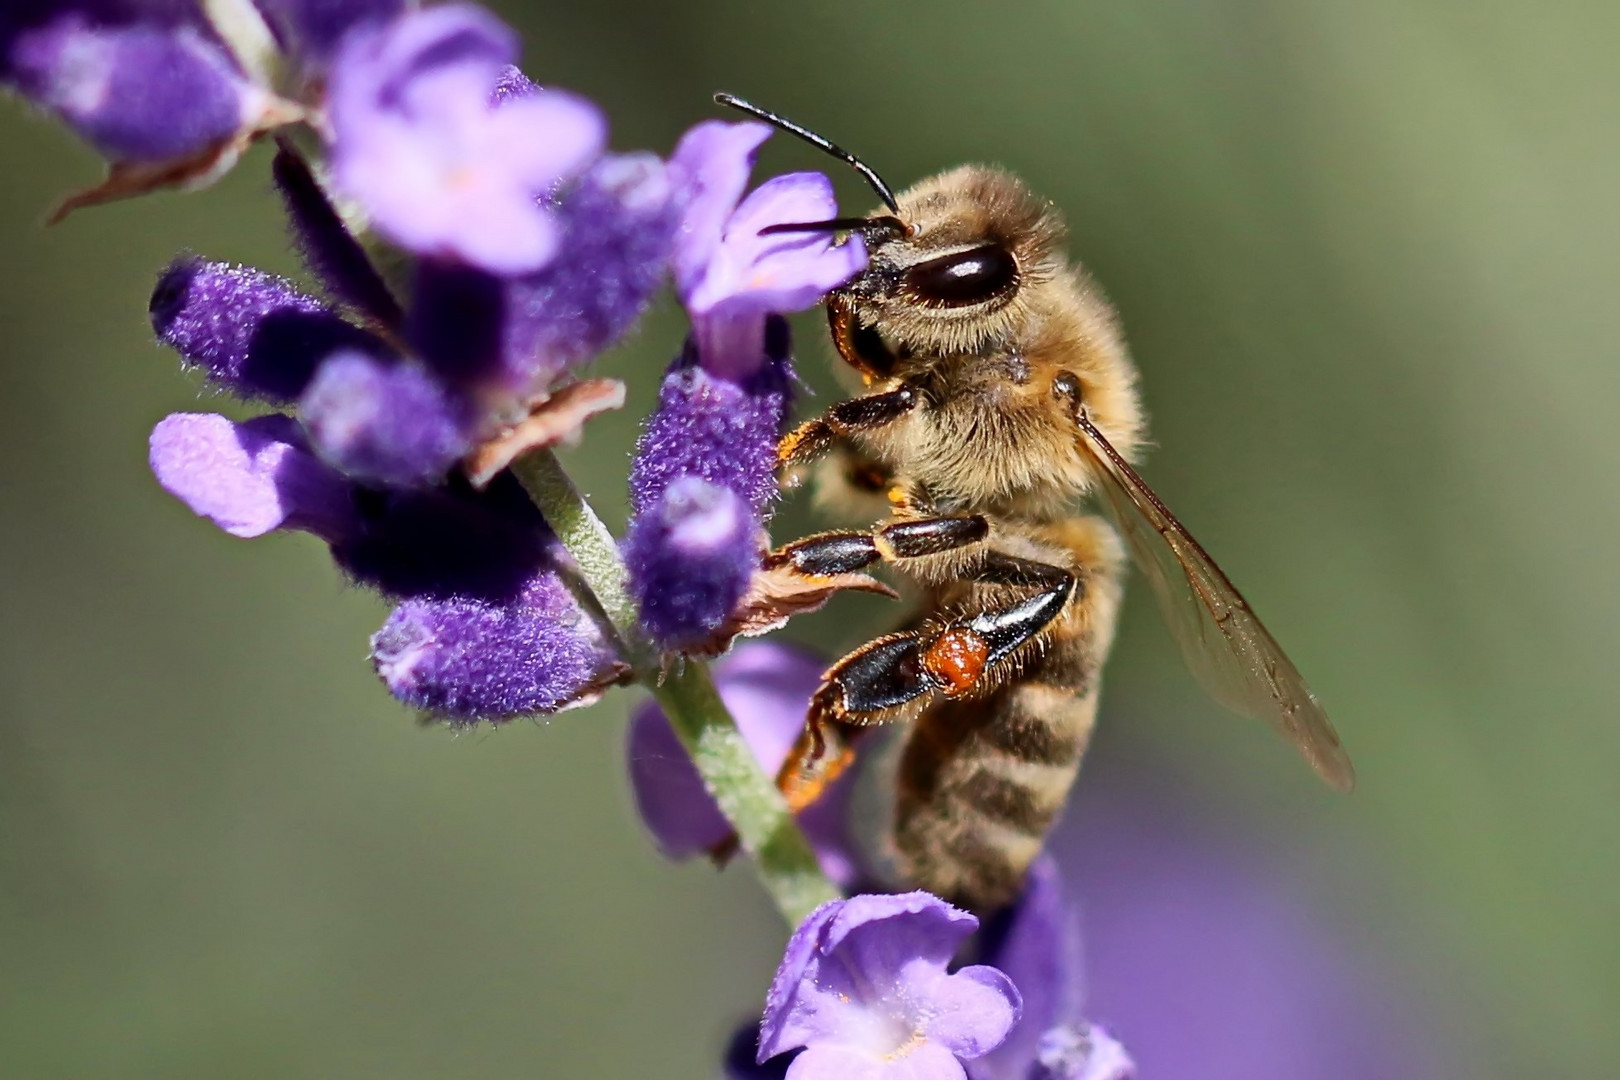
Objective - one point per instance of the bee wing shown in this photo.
(1224, 643)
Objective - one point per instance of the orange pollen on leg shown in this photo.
(957, 659)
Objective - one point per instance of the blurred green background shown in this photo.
(1366, 253)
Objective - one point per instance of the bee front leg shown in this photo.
(813, 438)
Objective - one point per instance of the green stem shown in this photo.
(746, 795)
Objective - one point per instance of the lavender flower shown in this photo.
(254, 334)
(766, 687)
(1204, 958)
(727, 274)
(486, 629)
(863, 989)
(438, 169)
(725, 398)
(136, 92)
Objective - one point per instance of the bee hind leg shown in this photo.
(892, 677)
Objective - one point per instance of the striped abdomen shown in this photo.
(980, 781)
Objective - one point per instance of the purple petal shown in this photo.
(136, 93)
(782, 272)
(712, 162)
(786, 1025)
(972, 1011)
(741, 1060)
(440, 171)
(832, 1062)
(690, 558)
(1205, 959)
(330, 251)
(868, 973)
(254, 334)
(717, 429)
(388, 422)
(766, 686)
(249, 478)
(470, 660)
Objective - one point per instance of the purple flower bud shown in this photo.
(863, 988)
(253, 477)
(134, 92)
(766, 686)
(249, 478)
(438, 169)
(253, 333)
(618, 227)
(471, 660)
(389, 422)
(717, 429)
(330, 251)
(690, 559)
(311, 29)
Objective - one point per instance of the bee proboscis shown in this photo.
(999, 394)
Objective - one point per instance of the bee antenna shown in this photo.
(820, 142)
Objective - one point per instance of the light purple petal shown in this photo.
(868, 974)
(972, 1011)
(438, 168)
(783, 272)
(712, 162)
(249, 478)
(926, 1062)
(785, 1026)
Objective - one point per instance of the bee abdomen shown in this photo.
(981, 782)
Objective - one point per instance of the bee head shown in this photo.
(953, 262)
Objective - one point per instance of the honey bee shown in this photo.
(999, 395)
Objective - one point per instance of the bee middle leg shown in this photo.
(885, 679)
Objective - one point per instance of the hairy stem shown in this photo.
(746, 795)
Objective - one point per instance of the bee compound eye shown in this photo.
(963, 278)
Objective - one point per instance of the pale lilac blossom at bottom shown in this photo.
(864, 994)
